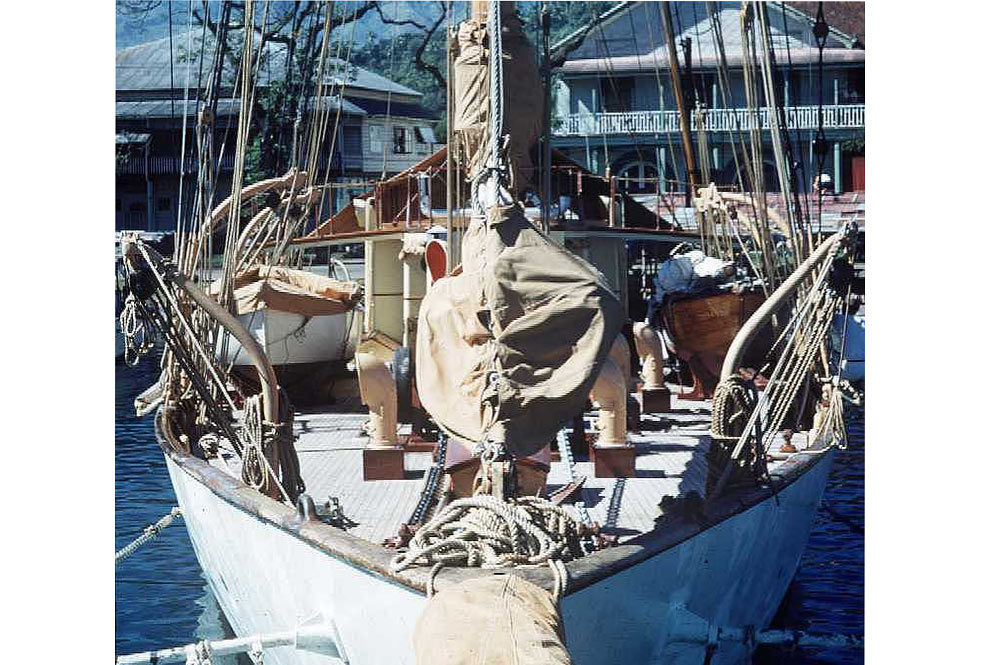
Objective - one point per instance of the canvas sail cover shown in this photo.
(294, 291)
(491, 620)
(509, 349)
(523, 97)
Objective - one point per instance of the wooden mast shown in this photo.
(450, 143)
(675, 78)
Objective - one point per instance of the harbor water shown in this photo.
(162, 599)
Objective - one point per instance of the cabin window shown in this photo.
(163, 204)
(375, 138)
(401, 141)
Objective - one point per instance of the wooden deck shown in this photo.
(670, 461)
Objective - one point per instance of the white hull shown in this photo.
(290, 339)
(267, 577)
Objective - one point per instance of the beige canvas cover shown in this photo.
(296, 291)
(523, 97)
(509, 349)
(495, 620)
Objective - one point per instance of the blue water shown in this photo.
(162, 599)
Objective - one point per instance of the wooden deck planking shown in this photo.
(671, 460)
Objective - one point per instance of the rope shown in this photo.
(148, 534)
(812, 325)
(496, 94)
(137, 329)
(199, 653)
(262, 439)
(487, 532)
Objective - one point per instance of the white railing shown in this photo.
(716, 120)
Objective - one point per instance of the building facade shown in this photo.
(615, 108)
(382, 128)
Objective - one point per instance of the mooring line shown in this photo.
(149, 533)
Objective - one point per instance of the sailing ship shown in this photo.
(375, 520)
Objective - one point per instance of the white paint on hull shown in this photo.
(734, 573)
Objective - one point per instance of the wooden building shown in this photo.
(383, 128)
(615, 106)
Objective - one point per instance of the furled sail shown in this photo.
(509, 349)
(523, 97)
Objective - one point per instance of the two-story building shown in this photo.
(383, 129)
(615, 107)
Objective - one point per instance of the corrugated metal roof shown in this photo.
(363, 78)
(395, 108)
(146, 67)
(160, 108)
(631, 37)
(659, 59)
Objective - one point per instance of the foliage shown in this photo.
(855, 144)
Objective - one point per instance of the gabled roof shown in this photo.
(146, 67)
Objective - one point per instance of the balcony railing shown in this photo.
(715, 120)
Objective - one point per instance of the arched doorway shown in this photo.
(637, 174)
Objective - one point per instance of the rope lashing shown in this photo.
(148, 534)
(487, 532)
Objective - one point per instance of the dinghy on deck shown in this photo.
(298, 317)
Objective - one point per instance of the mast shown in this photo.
(449, 154)
(547, 115)
(675, 78)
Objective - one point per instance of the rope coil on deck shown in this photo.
(484, 531)
(148, 534)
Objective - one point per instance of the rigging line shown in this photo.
(388, 100)
(181, 236)
(319, 120)
(820, 31)
(778, 149)
(170, 29)
(340, 101)
(701, 61)
(610, 74)
(638, 64)
(666, 133)
(729, 101)
(757, 179)
(318, 125)
(796, 158)
(295, 155)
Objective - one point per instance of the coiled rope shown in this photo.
(262, 441)
(487, 532)
(136, 328)
(149, 533)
